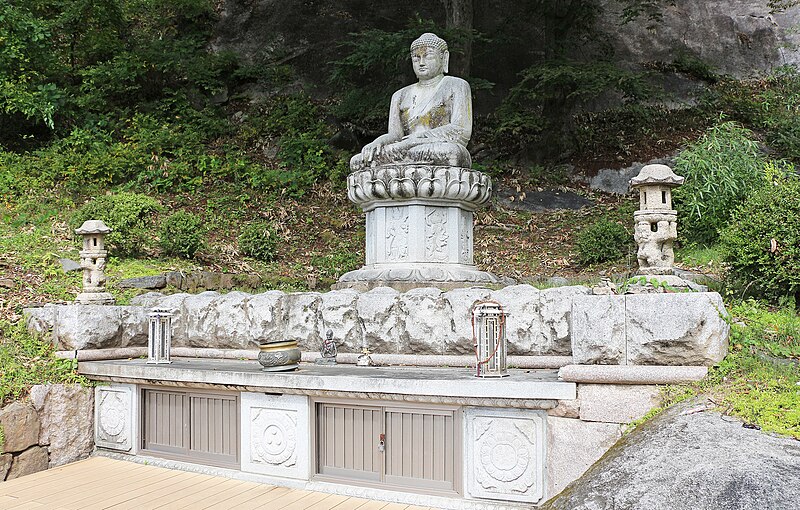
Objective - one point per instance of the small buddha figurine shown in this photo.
(430, 122)
(328, 350)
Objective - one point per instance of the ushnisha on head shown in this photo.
(430, 56)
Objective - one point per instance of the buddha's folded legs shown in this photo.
(434, 153)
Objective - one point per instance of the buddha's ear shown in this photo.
(446, 61)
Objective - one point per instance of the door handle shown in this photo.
(382, 443)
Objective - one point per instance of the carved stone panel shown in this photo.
(114, 414)
(436, 236)
(505, 454)
(275, 435)
(396, 234)
(465, 237)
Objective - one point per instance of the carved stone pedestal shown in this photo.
(419, 226)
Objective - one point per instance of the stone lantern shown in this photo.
(656, 221)
(93, 262)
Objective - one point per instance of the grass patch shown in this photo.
(26, 361)
(699, 256)
(764, 392)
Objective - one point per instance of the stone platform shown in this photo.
(529, 388)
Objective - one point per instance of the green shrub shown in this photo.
(603, 241)
(129, 215)
(304, 157)
(721, 169)
(762, 245)
(182, 234)
(258, 240)
(26, 360)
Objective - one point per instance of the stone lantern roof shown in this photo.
(93, 227)
(657, 174)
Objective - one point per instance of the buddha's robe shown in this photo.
(428, 125)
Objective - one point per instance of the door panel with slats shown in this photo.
(347, 443)
(422, 448)
(193, 426)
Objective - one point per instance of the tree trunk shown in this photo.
(459, 16)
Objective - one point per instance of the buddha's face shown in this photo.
(428, 62)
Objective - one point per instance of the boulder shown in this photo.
(88, 327)
(598, 330)
(40, 321)
(339, 314)
(685, 328)
(426, 321)
(734, 37)
(690, 458)
(556, 311)
(377, 312)
(133, 329)
(147, 300)
(460, 302)
(20, 425)
(67, 419)
(32, 460)
(228, 325)
(524, 322)
(267, 316)
(303, 319)
(5, 465)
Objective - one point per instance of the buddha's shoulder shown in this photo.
(455, 82)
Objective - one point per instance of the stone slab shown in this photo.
(573, 446)
(598, 330)
(616, 403)
(437, 382)
(275, 435)
(504, 453)
(68, 265)
(631, 374)
(144, 282)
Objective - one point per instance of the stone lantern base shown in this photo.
(419, 221)
(95, 298)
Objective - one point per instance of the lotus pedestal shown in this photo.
(418, 226)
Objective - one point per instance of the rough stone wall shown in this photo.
(54, 428)
(656, 329)
(736, 37)
(420, 321)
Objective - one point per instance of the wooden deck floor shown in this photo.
(97, 483)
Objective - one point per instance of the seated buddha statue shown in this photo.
(430, 122)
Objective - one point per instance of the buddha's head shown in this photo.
(429, 56)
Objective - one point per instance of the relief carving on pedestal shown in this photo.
(273, 435)
(505, 457)
(113, 417)
(396, 234)
(436, 236)
(465, 236)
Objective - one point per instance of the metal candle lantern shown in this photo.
(160, 336)
(489, 334)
